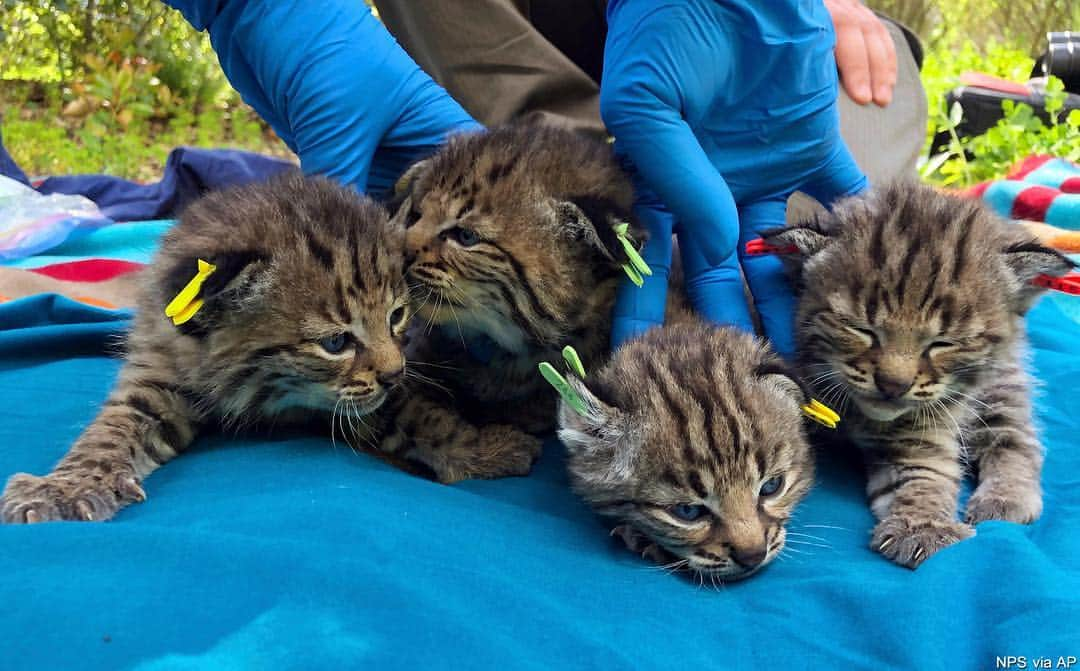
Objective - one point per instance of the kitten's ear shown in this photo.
(403, 187)
(598, 440)
(805, 238)
(239, 280)
(1027, 260)
(593, 220)
(779, 373)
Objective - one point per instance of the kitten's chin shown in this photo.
(367, 406)
(882, 411)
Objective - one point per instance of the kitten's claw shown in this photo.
(910, 542)
(84, 510)
(130, 487)
(81, 496)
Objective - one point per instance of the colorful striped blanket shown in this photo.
(1042, 193)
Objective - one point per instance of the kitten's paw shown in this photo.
(508, 452)
(499, 451)
(1020, 505)
(640, 544)
(909, 542)
(81, 496)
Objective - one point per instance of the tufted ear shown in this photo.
(805, 238)
(599, 441)
(593, 220)
(778, 372)
(403, 187)
(238, 283)
(1028, 260)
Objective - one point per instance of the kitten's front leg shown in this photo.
(1007, 456)
(912, 489)
(143, 424)
(430, 435)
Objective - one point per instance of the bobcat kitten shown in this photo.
(692, 441)
(513, 254)
(911, 317)
(303, 316)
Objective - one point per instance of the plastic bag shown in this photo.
(31, 222)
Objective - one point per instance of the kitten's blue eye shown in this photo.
(466, 237)
(333, 344)
(688, 512)
(771, 486)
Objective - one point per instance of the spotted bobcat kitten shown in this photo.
(911, 316)
(691, 440)
(514, 254)
(302, 313)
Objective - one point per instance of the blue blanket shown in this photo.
(292, 553)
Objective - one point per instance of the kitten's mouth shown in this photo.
(727, 572)
(880, 410)
(368, 404)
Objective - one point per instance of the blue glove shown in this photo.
(333, 84)
(724, 108)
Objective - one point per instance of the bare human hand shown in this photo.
(865, 53)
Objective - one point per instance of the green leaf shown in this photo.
(956, 114)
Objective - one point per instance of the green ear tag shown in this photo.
(574, 361)
(634, 275)
(635, 259)
(563, 387)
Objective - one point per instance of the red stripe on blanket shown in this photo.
(1033, 202)
(89, 270)
(1071, 185)
(1028, 165)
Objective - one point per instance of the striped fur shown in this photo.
(693, 415)
(297, 260)
(510, 238)
(911, 321)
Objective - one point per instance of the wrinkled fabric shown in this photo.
(292, 553)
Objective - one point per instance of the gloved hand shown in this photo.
(724, 108)
(332, 82)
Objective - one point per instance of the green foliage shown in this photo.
(1019, 134)
(111, 86)
(948, 24)
(999, 38)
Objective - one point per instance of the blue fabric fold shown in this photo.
(292, 553)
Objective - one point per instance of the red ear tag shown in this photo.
(1068, 284)
(759, 247)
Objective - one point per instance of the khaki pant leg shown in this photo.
(492, 61)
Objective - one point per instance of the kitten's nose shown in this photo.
(389, 378)
(891, 387)
(749, 557)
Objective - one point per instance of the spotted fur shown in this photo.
(690, 417)
(911, 321)
(513, 255)
(299, 261)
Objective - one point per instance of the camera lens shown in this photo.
(1063, 59)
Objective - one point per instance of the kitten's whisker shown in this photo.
(810, 536)
(793, 541)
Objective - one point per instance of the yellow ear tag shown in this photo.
(186, 303)
(821, 413)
